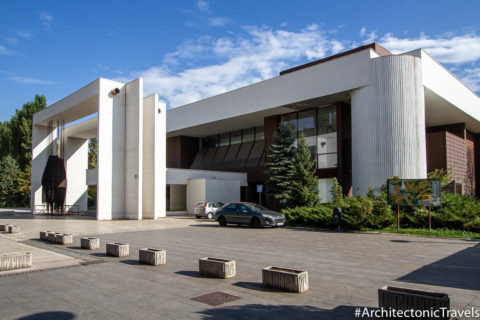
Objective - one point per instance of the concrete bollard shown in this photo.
(153, 257)
(117, 249)
(63, 238)
(15, 261)
(13, 229)
(218, 268)
(285, 279)
(90, 243)
(44, 235)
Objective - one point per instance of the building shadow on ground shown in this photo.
(50, 315)
(459, 270)
(259, 311)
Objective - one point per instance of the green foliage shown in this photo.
(92, 153)
(357, 213)
(16, 134)
(9, 173)
(304, 184)
(337, 191)
(92, 197)
(23, 187)
(16, 154)
(445, 176)
(279, 165)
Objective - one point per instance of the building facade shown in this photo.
(367, 115)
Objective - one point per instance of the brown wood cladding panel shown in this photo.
(457, 129)
(174, 152)
(436, 152)
(181, 151)
(460, 157)
(270, 126)
(190, 148)
(476, 153)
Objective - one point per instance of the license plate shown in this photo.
(279, 223)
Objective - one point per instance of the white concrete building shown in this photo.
(367, 115)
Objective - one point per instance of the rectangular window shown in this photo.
(259, 133)
(326, 137)
(290, 120)
(224, 139)
(325, 190)
(236, 137)
(248, 135)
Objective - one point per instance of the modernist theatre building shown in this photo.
(367, 115)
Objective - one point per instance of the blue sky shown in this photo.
(188, 50)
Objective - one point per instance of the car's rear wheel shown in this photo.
(256, 222)
(210, 215)
(222, 221)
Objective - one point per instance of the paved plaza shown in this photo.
(345, 270)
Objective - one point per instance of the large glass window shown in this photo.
(306, 123)
(236, 137)
(290, 120)
(327, 137)
(248, 135)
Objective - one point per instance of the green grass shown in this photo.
(442, 233)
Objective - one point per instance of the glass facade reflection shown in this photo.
(319, 127)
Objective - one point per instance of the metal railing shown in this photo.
(66, 209)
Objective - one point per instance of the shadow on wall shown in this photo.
(51, 315)
(258, 311)
(459, 270)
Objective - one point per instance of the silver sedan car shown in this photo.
(248, 213)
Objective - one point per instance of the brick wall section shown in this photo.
(436, 151)
(460, 157)
(456, 151)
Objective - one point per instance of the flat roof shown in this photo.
(374, 46)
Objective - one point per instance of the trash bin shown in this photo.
(337, 217)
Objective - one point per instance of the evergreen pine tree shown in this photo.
(304, 185)
(279, 165)
(9, 172)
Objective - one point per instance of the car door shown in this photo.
(243, 214)
(229, 213)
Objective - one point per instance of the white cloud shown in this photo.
(30, 80)
(370, 37)
(445, 49)
(46, 19)
(218, 21)
(203, 6)
(471, 77)
(240, 60)
(363, 31)
(6, 52)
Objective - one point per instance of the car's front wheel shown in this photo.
(222, 221)
(210, 216)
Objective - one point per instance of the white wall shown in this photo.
(40, 145)
(196, 192)
(154, 158)
(222, 190)
(388, 124)
(341, 74)
(76, 165)
(111, 153)
(181, 176)
(133, 149)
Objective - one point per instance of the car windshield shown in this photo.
(257, 207)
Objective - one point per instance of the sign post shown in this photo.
(414, 192)
(260, 190)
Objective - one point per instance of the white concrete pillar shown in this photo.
(133, 148)
(76, 165)
(154, 158)
(388, 124)
(111, 153)
(40, 145)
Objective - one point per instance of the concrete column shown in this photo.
(76, 165)
(40, 146)
(154, 158)
(111, 153)
(388, 124)
(133, 149)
